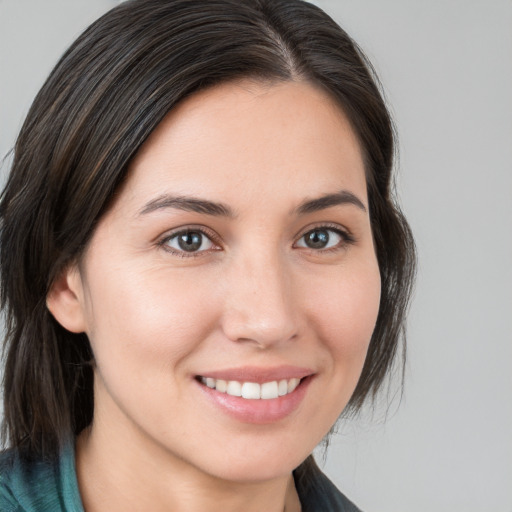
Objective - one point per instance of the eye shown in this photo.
(323, 238)
(188, 241)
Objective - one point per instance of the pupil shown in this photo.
(190, 241)
(317, 239)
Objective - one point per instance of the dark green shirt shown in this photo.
(40, 486)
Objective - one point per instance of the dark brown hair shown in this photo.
(109, 91)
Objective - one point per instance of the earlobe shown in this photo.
(65, 300)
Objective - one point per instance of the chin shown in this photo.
(256, 464)
(260, 471)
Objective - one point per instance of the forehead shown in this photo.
(239, 140)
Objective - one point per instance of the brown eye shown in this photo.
(321, 238)
(317, 239)
(189, 241)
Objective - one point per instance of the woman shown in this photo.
(202, 263)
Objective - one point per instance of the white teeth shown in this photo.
(221, 385)
(252, 390)
(269, 390)
(292, 384)
(282, 387)
(234, 388)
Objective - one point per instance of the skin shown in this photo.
(255, 295)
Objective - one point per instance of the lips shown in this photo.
(256, 395)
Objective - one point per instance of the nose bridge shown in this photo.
(260, 303)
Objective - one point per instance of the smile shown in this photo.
(252, 390)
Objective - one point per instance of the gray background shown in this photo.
(447, 72)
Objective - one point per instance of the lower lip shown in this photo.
(258, 411)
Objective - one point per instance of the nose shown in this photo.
(259, 305)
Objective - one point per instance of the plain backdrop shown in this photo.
(446, 67)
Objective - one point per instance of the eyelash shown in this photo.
(346, 239)
(210, 235)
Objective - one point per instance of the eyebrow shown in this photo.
(204, 206)
(188, 204)
(329, 200)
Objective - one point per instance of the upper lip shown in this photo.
(259, 374)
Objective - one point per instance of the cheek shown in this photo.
(147, 316)
(145, 329)
(345, 312)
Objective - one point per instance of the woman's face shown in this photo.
(237, 258)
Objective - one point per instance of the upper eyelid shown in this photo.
(184, 229)
(216, 239)
(162, 241)
(324, 225)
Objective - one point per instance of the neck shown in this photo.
(110, 477)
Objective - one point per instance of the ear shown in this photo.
(65, 300)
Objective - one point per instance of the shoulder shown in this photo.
(8, 501)
(28, 485)
(317, 493)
